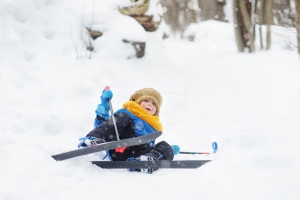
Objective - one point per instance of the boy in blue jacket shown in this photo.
(139, 116)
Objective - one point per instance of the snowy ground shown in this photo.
(248, 103)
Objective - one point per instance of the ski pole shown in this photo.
(176, 150)
(120, 149)
(189, 152)
(112, 114)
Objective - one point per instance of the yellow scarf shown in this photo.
(140, 112)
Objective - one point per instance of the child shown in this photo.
(139, 116)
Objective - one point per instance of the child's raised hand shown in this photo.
(106, 95)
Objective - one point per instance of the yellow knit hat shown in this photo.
(147, 93)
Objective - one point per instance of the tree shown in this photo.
(181, 13)
(264, 10)
(212, 9)
(297, 6)
(243, 26)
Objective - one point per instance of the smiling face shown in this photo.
(149, 106)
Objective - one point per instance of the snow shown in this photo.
(248, 103)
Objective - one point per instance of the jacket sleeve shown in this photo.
(106, 129)
(98, 120)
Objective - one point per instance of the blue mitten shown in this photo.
(103, 108)
(102, 111)
(106, 96)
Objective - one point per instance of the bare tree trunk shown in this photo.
(258, 12)
(237, 26)
(171, 16)
(264, 10)
(212, 9)
(179, 15)
(269, 21)
(186, 16)
(245, 6)
(297, 5)
(243, 24)
(261, 37)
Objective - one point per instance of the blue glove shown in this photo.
(103, 108)
(106, 95)
(102, 111)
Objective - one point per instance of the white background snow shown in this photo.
(248, 103)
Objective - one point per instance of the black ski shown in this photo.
(107, 146)
(186, 164)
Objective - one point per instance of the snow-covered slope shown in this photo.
(248, 103)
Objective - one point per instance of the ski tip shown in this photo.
(57, 158)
